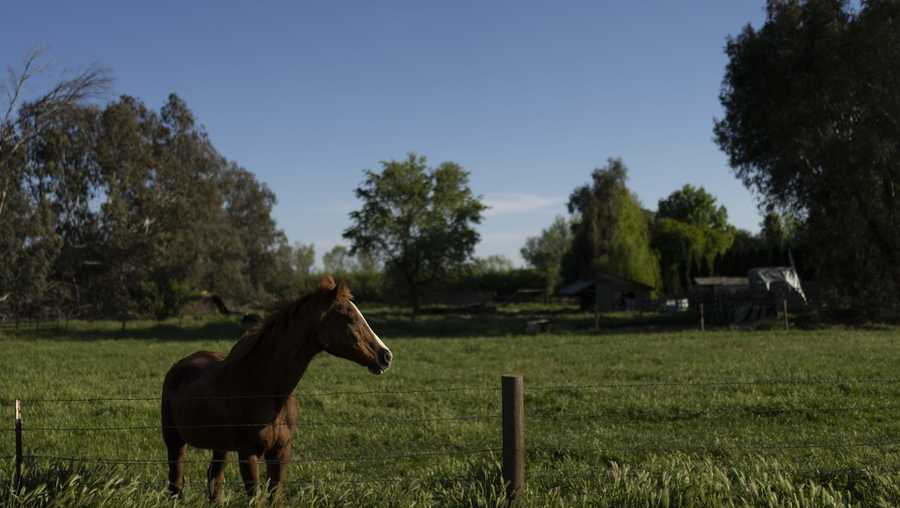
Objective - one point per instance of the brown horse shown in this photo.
(242, 402)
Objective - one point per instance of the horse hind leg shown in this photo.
(249, 472)
(277, 460)
(215, 475)
(175, 447)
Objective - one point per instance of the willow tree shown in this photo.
(610, 230)
(691, 231)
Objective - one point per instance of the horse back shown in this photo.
(195, 368)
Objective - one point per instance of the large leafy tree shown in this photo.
(177, 217)
(338, 261)
(46, 177)
(691, 231)
(811, 124)
(123, 209)
(610, 230)
(163, 209)
(546, 252)
(693, 205)
(304, 257)
(248, 206)
(495, 263)
(420, 220)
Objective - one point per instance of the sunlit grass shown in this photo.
(616, 419)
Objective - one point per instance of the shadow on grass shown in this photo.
(514, 322)
(167, 331)
(389, 322)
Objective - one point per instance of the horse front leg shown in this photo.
(277, 460)
(215, 475)
(250, 472)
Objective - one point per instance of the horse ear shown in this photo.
(327, 283)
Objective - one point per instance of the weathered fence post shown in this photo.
(18, 477)
(513, 435)
(787, 325)
(702, 318)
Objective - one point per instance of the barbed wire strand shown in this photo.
(544, 415)
(251, 396)
(761, 382)
(653, 384)
(163, 483)
(479, 451)
(722, 446)
(680, 412)
(625, 469)
(324, 458)
(342, 423)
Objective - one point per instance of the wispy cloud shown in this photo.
(503, 204)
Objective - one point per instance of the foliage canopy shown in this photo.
(610, 230)
(811, 124)
(420, 220)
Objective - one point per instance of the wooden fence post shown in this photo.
(702, 319)
(513, 435)
(18, 477)
(787, 325)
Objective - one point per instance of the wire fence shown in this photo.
(647, 385)
(322, 458)
(490, 449)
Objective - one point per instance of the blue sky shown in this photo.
(527, 96)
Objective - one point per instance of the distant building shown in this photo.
(709, 290)
(759, 295)
(612, 293)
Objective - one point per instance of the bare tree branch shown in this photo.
(34, 116)
(91, 83)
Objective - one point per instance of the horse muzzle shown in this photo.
(382, 362)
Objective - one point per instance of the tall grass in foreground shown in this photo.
(676, 482)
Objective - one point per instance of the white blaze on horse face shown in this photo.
(377, 338)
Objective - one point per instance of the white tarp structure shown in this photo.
(783, 278)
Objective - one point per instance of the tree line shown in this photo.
(120, 209)
(811, 125)
(609, 231)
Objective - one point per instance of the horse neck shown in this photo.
(280, 359)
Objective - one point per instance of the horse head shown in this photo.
(345, 333)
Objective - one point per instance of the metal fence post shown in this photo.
(18, 476)
(513, 435)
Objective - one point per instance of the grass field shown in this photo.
(661, 417)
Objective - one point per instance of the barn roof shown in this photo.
(721, 281)
(605, 279)
(576, 287)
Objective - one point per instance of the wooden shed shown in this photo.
(611, 293)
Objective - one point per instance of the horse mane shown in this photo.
(282, 315)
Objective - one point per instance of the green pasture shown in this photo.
(647, 413)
